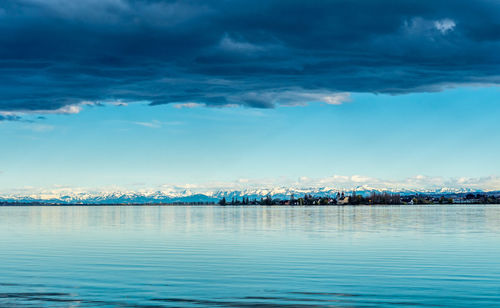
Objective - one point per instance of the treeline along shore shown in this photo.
(340, 198)
(371, 199)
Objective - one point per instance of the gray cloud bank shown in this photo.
(57, 53)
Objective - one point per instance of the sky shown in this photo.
(156, 94)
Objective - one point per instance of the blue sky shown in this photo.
(155, 94)
(451, 134)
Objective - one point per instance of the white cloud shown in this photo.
(152, 124)
(156, 123)
(188, 105)
(444, 25)
(230, 44)
(337, 98)
(68, 109)
(345, 182)
(118, 103)
(426, 27)
(303, 98)
(303, 179)
(418, 182)
(292, 97)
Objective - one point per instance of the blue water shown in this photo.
(180, 256)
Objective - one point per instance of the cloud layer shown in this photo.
(56, 53)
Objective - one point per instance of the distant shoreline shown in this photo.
(217, 205)
(106, 204)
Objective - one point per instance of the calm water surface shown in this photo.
(154, 256)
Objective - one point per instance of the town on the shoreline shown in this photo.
(342, 198)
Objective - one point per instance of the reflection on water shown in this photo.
(163, 256)
(457, 218)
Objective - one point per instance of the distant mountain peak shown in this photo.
(188, 195)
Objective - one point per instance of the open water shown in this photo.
(211, 256)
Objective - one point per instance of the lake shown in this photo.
(211, 256)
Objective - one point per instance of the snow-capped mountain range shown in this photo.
(186, 196)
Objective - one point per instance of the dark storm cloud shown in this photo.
(55, 53)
